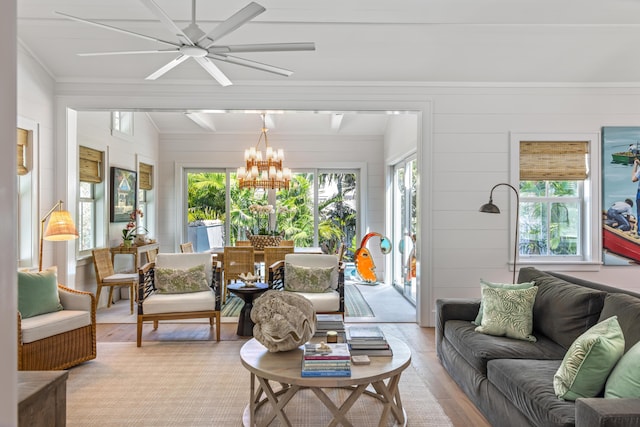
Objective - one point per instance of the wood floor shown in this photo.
(421, 341)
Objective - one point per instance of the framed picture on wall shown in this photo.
(123, 194)
(620, 195)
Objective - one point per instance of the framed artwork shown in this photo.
(123, 194)
(620, 196)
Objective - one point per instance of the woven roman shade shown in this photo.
(23, 140)
(553, 160)
(90, 165)
(146, 176)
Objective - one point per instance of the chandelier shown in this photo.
(263, 171)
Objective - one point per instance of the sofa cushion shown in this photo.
(46, 325)
(477, 349)
(508, 312)
(589, 360)
(624, 380)
(179, 303)
(483, 282)
(529, 385)
(38, 293)
(627, 308)
(563, 311)
(177, 281)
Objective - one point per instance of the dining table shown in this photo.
(259, 255)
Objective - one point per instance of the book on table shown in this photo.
(367, 340)
(326, 360)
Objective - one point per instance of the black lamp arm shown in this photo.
(515, 244)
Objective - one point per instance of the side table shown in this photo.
(248, 294)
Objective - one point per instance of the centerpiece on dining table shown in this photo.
(262, 234)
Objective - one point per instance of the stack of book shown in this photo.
(367, 340)
(329, 322)
(326, 360)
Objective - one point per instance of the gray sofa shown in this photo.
(511, 381)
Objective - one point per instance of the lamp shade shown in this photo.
(60, 227)
(489, 208)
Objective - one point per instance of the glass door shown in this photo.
(404, 227)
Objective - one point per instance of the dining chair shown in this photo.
(287, 243)
(106, 276)
(186, 248)
(273, 254)
(243, 243)
(152, 254)
(237, 260)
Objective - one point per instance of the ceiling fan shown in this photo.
(195, 43)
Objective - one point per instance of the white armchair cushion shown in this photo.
(74, 300)
(185, 261)
(121, 277)
(45, 325)
(179, 303)
(323, 301)
(313, 260)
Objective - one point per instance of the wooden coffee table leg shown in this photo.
(339, 413)
(391, 399)
(277, 405)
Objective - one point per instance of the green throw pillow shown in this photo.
(588, 362)
(176, 281)
(38, 293)
(624, 380)
(508, 312)
(299, 278)
(524, 285)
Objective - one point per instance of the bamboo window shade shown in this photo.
(23, 140)
(145, 176)
(90, 165)
(553, 160)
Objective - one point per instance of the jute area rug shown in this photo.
(202, 384)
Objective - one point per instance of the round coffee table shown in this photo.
(283, 368)
(248, 294)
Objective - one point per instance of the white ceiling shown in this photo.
(378, 41)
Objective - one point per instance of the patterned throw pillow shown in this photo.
(508, 312)
(176, 281)
(589, 360)
(307, 279)
(524, 285)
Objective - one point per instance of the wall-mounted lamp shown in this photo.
(491, 208)
(60, 228)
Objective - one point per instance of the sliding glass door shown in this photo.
(404, 227)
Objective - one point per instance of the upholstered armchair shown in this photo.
(317, 277)
(56, 324)
(179, 286)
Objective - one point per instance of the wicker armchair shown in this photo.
(62, 339)
(329, 301)
(155, 306)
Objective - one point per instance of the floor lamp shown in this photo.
(60, 228)
(491, 208)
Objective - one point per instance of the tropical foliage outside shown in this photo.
(294, 209)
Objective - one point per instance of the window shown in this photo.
(90, 198)
(122, 121)
(225, 211)
(555, 210)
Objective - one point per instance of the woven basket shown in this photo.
(259, 241)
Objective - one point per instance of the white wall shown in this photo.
(94, 131)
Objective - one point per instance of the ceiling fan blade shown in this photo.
(162, 70)
(263, 47)
(239, 18)
(130, 52)
(252, 64)
(164, 18)
(213, 70)
(119, 30)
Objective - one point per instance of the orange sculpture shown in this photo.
(365, 267)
